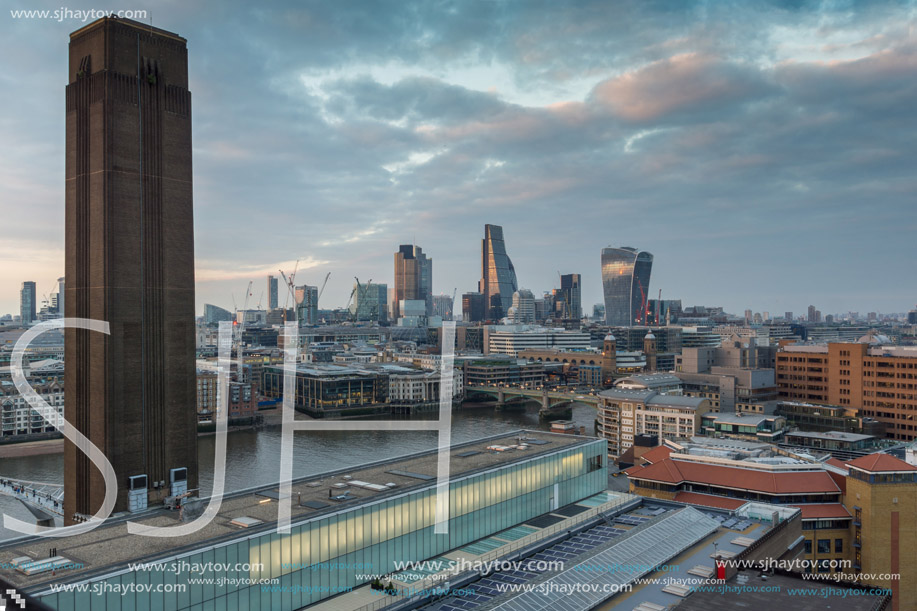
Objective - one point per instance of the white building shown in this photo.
(523, 309)
(622, 414)
(17, 418)
(511, 339)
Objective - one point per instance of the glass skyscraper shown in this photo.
(625, 283)
(498, 276)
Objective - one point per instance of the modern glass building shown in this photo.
(413, 278)
(335, 548)
(626, 283)
(498, 276)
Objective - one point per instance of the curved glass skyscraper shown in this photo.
(626, 283)
(498, 276)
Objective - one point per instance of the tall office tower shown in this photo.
(27, 303)
(272, 293)
(413, 278)
(129, 262)
(811, 314)
(626, 283)
(570, 287)
(306, 304)
(498, 276)
(473, 309)
(523, 309)
(788, 316)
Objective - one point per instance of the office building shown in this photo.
(58, 302)
(215, 314)
(523, 309)
(875, 380)
(570, 287)
(370, 302)
(498, 276)
(510, 339)
(912, 317)
(27, 310)
(128, 186)
(272, 293)
(473, 307)
(306, 297)
(442, 306)
(623, 414)
(413, 279)
(626, 283)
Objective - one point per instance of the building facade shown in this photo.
(413, 278)
(623, 414)
(129, 186)
(27, 303)
(878, 382)
(625, 283)
(498, 276)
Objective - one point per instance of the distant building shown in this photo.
(523, 309)
(215, 314)
(57, 299)
(625, 282)
(498, 276)
(912, 317)
(473, 307)
(571, 288)
(413, 278)
(306, 304)
(27, 310)
(272, 293)
(598, 311)
(510, 339)
(442, 306)
(370, 302)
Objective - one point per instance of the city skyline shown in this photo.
(744, 139)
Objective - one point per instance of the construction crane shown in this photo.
(241, 325)
(360, 291)
(322, 290)
(290, 290)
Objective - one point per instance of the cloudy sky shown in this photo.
(764, 152)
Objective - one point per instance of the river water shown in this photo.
(253, 457)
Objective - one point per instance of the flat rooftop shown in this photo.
(110, 548)
(789, 596)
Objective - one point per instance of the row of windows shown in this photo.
(322, 557)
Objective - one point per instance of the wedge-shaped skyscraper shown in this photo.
(625, 283)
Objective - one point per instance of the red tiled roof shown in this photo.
(708, 500)
(774, 482)
(656, 454)
(880, 462)
(823, 511)
(834, 462)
